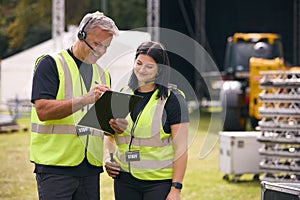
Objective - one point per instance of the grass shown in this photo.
(202, 181)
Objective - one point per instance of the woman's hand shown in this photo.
(118, 125)
(112, 169)
(174, 194)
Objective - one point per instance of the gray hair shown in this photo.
(98, 19)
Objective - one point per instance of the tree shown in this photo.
(28, 22)
(29, 15)
(128, 14)
(6, 8)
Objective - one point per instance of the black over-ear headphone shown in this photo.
(82, 34)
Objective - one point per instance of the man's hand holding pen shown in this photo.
(97, 91)
(92, 96)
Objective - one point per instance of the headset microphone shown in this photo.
(151, 81)
(88, 45)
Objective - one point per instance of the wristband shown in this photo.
(177, 185)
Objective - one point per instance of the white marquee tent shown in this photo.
(17, 70)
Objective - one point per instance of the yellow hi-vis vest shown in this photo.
(55, 142)
(155, 146)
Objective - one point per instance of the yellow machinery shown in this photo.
(256, 66)
(246, 53)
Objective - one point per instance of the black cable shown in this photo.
(133, 128)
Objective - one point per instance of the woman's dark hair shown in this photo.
(159, 54)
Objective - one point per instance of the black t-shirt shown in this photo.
(175, 110)
(45, 86)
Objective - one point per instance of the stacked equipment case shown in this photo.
(280, 126)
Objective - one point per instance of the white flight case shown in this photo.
(238, 154)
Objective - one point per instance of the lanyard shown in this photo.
(133, 128)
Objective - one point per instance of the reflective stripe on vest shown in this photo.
(150, 164)
(156, 148)
(61, 129)
(68, 78)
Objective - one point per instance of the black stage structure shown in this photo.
(210, 22)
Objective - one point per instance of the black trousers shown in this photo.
(128, 187)
(61, 187)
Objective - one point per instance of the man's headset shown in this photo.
(82, 34)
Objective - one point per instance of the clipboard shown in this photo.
(110, 105)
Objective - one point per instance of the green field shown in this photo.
(202, 181)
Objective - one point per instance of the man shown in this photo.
(68, 161)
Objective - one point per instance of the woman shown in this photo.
(151, 154)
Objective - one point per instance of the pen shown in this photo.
(113, 160)
(112, 157)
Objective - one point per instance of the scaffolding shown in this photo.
(153, 18)
(58, 23)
